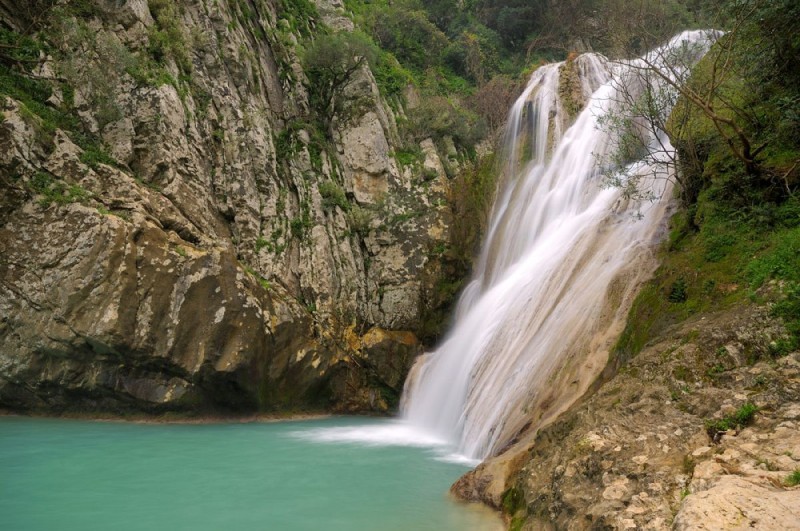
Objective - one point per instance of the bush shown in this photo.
(333, 196)
(330, 62)
(166, 38)
(56, 191)
(439, 117)
(360, 220)
(493, 100)
(300, 14)
(390, 75)
(409, 35)
(738, 419)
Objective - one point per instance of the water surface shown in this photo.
(330, 474)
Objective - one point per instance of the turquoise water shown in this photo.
(330, 474)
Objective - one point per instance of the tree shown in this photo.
(330, 63)
(409, 35)
(741, 96)
(643, 108)
(494, 98)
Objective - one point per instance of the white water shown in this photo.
(540, 304)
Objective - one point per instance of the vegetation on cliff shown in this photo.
(735, 238)
(700, 394)
(241, 138)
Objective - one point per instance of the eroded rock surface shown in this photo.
(637, 454)
(230, 255)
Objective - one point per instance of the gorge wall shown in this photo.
(177, 233)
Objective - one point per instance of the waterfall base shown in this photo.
(632, 451)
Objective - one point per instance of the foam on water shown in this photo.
(394, 433)
(397, 433)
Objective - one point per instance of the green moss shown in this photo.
(513, 500)
(569, 87)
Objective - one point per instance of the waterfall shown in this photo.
(562, 258)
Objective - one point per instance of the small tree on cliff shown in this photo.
(330, 63)
(742, 96)
(643, 110)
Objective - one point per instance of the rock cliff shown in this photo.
(178, 233)
(699, 431)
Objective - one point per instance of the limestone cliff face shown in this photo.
(227, 254)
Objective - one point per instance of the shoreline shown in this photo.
(172, 418)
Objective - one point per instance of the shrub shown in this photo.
(330, 63)
(738, 419)
(494, 98)
(409, 35)
(56, 191)
(360, 220)
(332, 196)
(94, 155)
(166, 38)
(439, 117)
(678, 292)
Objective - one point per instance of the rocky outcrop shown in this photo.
(183, 236)
(640, 454)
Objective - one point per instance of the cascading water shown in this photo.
(563, 256)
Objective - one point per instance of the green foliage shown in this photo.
(678, 291)
(53, 190)
(474, 53)
(392, 78)
(166, 38)
(360, 219)
(95, 155)
(738, 419)
(333, 196)
(288, 142)
(301, 15)
(780, 260)
(83, 8)
(35, 94)
(793, 479)
(737, 239)
(439, 117)
(330, 62)
(299, 226)
(18, 48)
(408, 157)
(409, 35)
